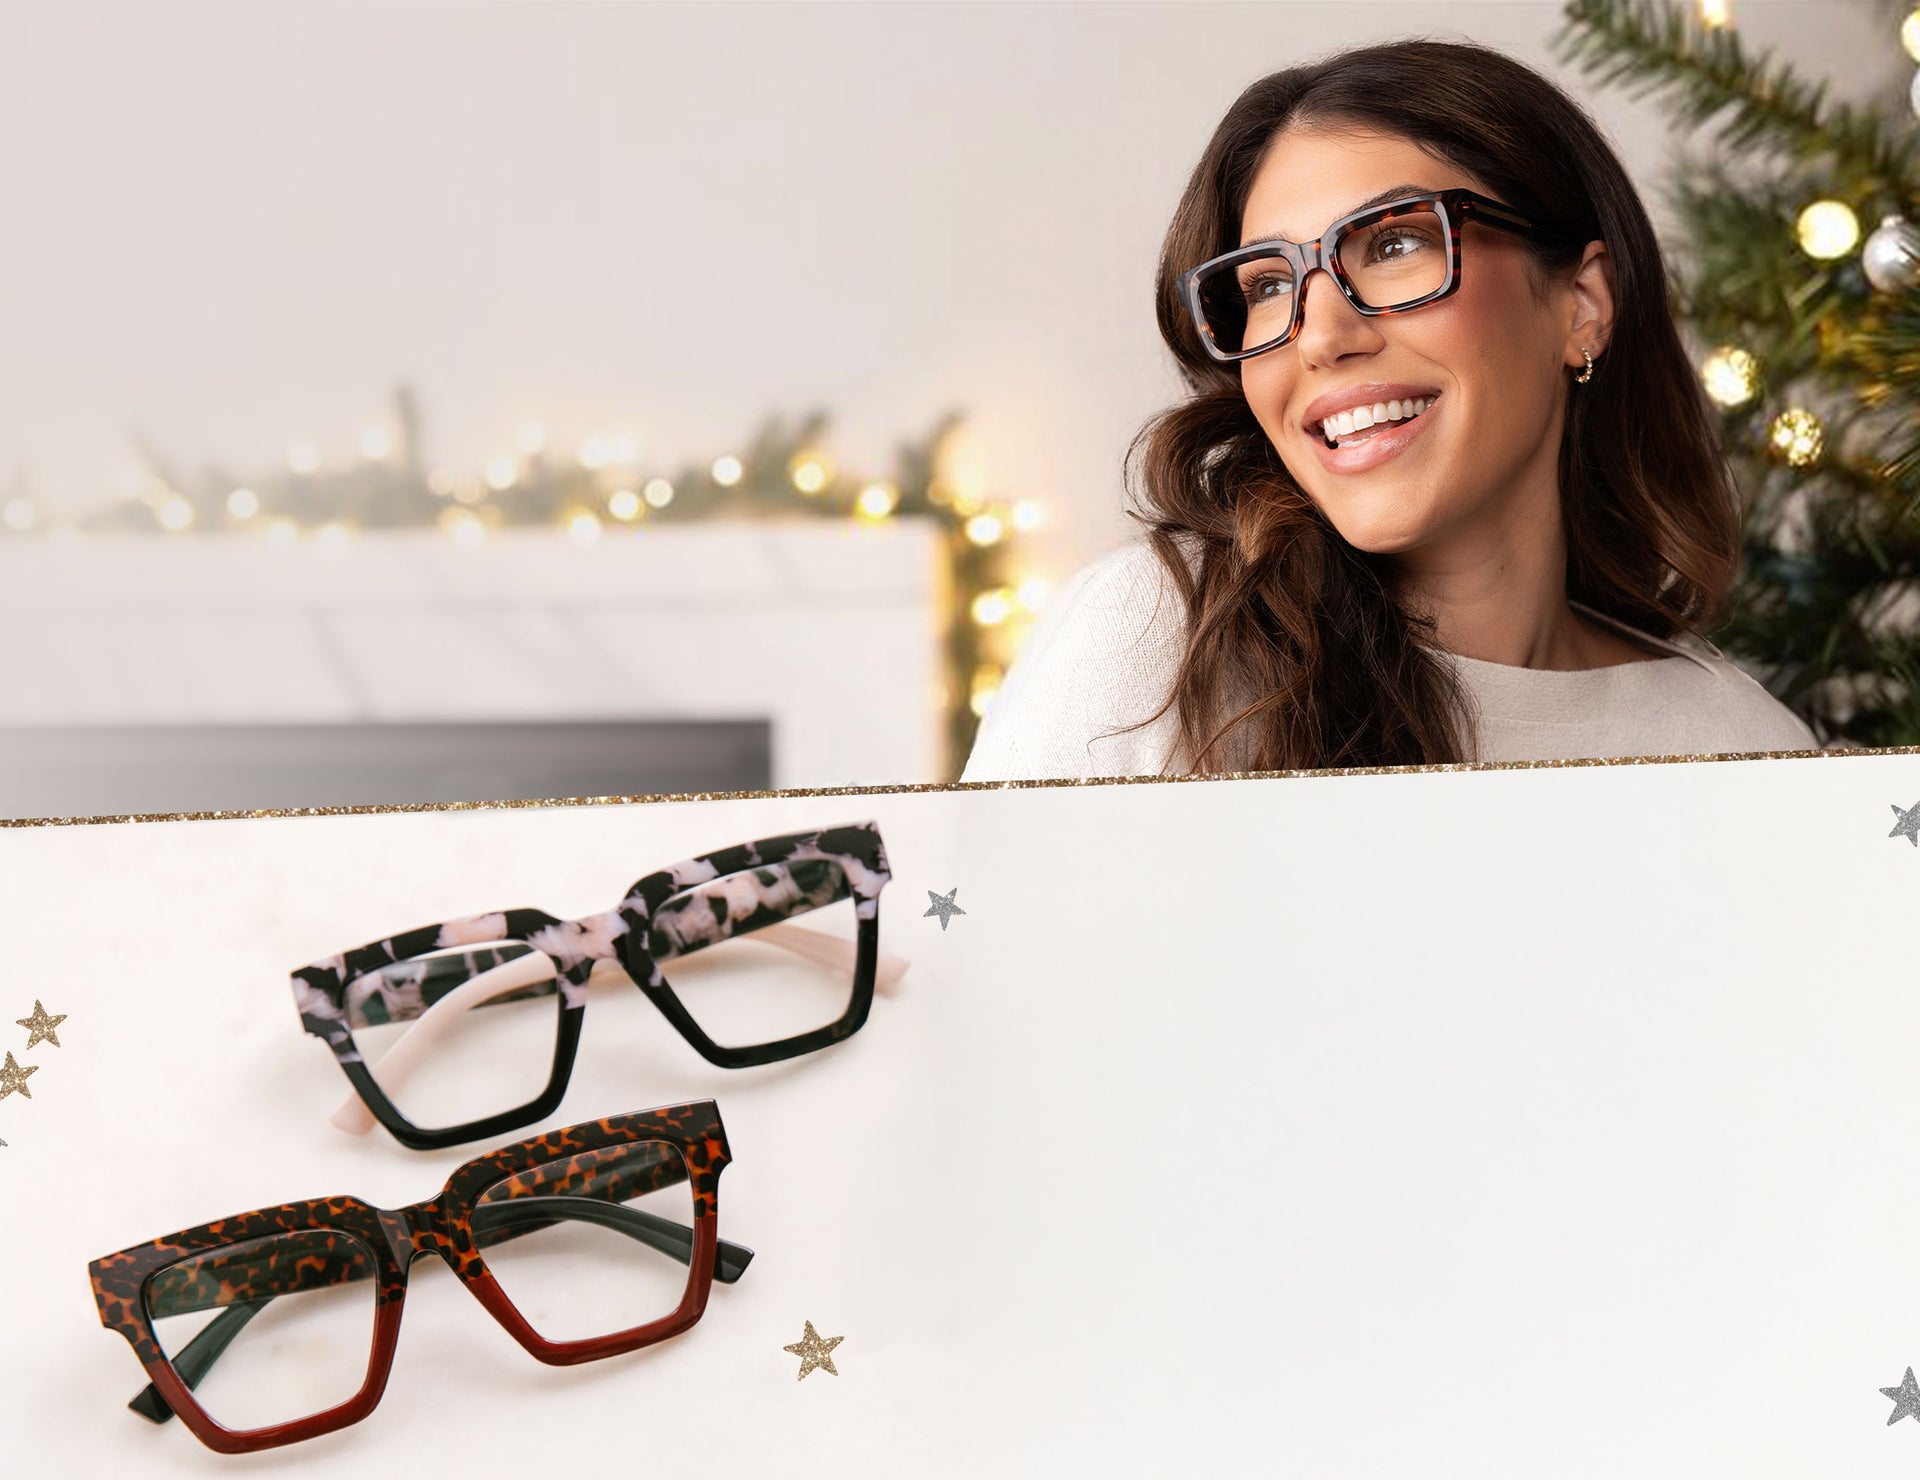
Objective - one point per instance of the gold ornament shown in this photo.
(40, 1025)
(1796, 435)
(813, 1350)
(13, 1077)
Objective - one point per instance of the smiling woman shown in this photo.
(1391, 524)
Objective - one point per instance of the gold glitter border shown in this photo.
(944, 786)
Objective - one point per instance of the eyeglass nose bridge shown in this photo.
(419, 1231)
(1314, 258)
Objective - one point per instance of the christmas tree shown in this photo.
(1796, 279)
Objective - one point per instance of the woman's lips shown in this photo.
(1377, 448)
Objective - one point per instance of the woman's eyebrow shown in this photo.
(1379, 198)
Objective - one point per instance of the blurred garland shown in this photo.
(782, 473)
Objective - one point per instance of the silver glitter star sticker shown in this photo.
(1906, 1400)
(1908, 826)
(946, 909)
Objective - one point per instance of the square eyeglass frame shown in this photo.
(1455, 207)
(442, 1226)
(627, 933)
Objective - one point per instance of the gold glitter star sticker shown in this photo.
(813, 1350)
(13, 1077)
(40, 1025)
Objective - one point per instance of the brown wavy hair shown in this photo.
(1299, 653)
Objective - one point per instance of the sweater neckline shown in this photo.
(1519, 673)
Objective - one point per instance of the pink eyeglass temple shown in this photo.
(412, 1047)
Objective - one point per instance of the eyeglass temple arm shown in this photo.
(412, 1047)
(1489, 213)
(493, 1223)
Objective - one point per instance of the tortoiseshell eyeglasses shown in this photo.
(279, 1325)
(749, 985)
(1384, 260)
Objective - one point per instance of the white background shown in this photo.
(1535, 1121)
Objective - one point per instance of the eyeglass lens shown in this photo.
(297, 1311)
(1387, 263)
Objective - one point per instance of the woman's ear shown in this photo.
(1590, 305)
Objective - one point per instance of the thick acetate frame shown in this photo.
(633, 937)
(1454, 207)
(443, 1226)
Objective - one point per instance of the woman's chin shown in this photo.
(1391, 532)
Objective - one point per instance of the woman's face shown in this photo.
(1483, 471)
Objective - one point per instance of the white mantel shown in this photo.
(826, 628)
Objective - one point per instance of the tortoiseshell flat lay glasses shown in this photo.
(1385, 259)
(748, 984)
(279, 1325)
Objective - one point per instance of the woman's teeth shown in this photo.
(1354, 427)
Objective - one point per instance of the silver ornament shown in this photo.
(1891, 257)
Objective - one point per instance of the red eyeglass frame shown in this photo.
(440, 1226)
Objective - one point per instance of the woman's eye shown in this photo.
(1401, 239)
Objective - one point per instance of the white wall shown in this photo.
(233, 226)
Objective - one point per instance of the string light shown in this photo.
(810, 472)
(1033, 594)
(243, 503)
(1027, 516)
(584, 527)
(624, 504)
(1716, 14)
(175, 514)
(375, 442)
(991, 608)
(659, 493)
(727, 471)
(303, 458)
(876, 501)
(595, 453)
(985, 529)
(1828, 229)
(1731, 376)
(502, 473)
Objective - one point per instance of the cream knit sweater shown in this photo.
(1104, 654)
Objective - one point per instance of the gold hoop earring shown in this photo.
(1587, 374)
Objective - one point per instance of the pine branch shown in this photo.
(1650, 46)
